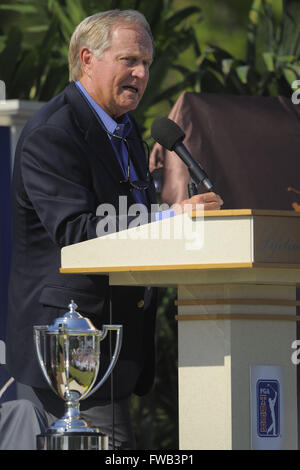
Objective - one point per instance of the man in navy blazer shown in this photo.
(81, 150)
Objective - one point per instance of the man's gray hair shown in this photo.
(94, 32)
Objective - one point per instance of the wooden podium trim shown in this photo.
(244, 212)
(177, 267)
(283, 302)
(237, 316)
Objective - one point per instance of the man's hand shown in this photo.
(209, 201)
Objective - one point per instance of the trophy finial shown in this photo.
(72, 321)
(72, 306)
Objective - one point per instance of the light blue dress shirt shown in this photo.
(121, 129)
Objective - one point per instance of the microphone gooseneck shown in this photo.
(168, 134)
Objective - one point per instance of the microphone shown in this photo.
(168, 134)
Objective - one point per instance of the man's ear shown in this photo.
(86, 57)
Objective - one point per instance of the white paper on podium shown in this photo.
(267, 410)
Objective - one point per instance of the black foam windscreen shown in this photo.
(167, 133)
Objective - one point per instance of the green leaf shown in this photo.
(19, 8)
(252, 30)
(254, 12)
(242, 73)
(176, 18)
(290, 37)
(284, 59)
(180, 68)
(269, 61)
(37, 29)
(76, 11)
(174, 89)
(66, 26)
(2, 43)
(227, 65)
(290, 75)
(207, 53)
(269, 25)
(220, 53)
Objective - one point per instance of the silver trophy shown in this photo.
(69, 355)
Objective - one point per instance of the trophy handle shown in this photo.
(119, 331)
(37, 341)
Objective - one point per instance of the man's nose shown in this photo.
(140, 71)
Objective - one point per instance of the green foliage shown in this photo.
(44, 64)
(171, 39)
(272, 61)
(37, 69)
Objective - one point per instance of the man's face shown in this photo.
(118, 79)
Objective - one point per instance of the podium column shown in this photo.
(227, 331)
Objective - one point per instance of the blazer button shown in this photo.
(140, 304)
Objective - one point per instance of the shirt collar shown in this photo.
(121, 128)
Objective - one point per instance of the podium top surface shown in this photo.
(200, 241)
(245, 212)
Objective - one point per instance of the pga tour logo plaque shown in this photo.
(267, 405)
(268, 408)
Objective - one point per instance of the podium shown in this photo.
(236, 272)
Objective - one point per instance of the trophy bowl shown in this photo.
(68, 352)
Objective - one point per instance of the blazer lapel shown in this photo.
(95, 136)
(93, 133)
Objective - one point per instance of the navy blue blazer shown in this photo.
(65, 167)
